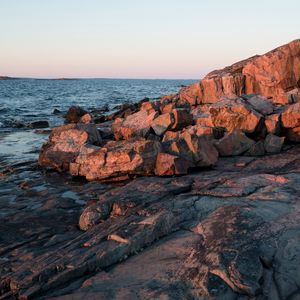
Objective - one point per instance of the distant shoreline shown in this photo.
(91, 78)
(30, 78)
(8, 78)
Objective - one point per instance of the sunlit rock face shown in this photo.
(117, 159)
(135, 125)
(274, 75)
(65, 143)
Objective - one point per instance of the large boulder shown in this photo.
(121, 111)
(197, 150)
(293, 96)
(290, 118)
(149, 106)
(135, 125)
(273, 143)
(182, 118)
(200, 130)
(86, 119)
(190, 94)
(235, 114)
(65, 143)
(272, 75)
(197, 130)
(38, 124)
(273, 123)
(260, 104)
(168, 165)
(117, 159)
(167, 107)
(234, 143)
(257, 149)
(293, 134)
(162, 123)
(74, 114)
(106, 130)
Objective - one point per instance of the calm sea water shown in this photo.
(30, 100)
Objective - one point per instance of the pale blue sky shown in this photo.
(139, 38)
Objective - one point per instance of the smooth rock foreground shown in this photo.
(227, 233)
(227, 229)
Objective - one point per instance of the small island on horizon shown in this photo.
(90, 78)
(19, 78)
(8, 78)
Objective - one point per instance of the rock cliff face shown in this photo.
(274, 75)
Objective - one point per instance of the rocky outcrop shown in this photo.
(135, 125)
(182, 118)
(137, 148)
(65, 144)
(239, 110)
(117, 159)
(273, 123)
(197, 151)
(235, 114)
(290, 118)
(260, 104)
(274, 75)
(166, 144)
(74, 114)
(234, 143)
(168, 165)
(256, 149)
(86, 119)
(273, 143)
(293, 134)
(38, 124)
(162, 123)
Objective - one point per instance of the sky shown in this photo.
(182, 39)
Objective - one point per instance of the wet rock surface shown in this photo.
(74, 114)
(38, 124)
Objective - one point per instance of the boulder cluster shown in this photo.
(250, 108)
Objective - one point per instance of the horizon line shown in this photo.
(4, 77)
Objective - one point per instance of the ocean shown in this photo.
(27, 100)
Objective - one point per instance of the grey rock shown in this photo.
(273, 143)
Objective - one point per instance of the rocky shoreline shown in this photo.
(191, 196)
